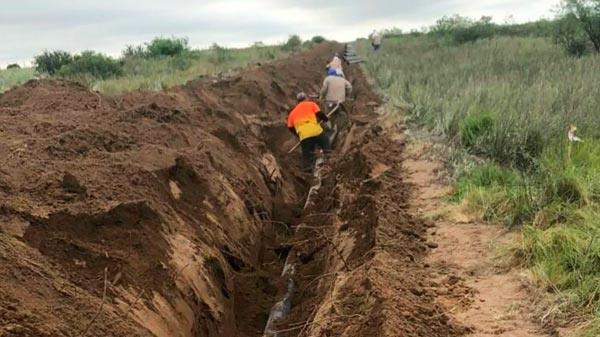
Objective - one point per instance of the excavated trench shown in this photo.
(184, 205)
(175, 214)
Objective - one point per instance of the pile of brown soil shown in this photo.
(172, 213)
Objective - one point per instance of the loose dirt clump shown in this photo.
(185, 206)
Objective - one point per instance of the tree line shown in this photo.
(576, 28)
(95, 65)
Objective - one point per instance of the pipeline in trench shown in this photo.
(282, 308)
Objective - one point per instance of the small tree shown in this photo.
(292, 44)
(587, 13)
(160, 47)
(51, 62)
(13, 66)
(570, 35)
(92, 64)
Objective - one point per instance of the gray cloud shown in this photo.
(30, 26)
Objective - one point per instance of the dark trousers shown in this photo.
(308, 150)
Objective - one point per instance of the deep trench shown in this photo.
(248, 280)
(275, 281)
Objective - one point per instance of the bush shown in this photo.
(131, 51)
(318, 39)
(292, 44)
(51, 62)
(473, 33)
(160, 47)
(219, 54)
(92, 64)
(449, 24)
(482, 29)
(307, 44)
(13, 66)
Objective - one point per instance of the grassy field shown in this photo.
(510, 101)
(11, 77)
(157, 74)
(161, 73)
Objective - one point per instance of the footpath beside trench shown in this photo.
(475, 290)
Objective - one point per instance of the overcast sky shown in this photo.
(27, 27)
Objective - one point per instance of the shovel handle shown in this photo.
(328, 115)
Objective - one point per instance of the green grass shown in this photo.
(509, 101)
(12, 77)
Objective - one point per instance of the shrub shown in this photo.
(474, 126)
(482, 29)
(318, 39)
(131, 51)
(307, 44)
(292, 44)
(13, 66)
(160, 47)
(473, 33)
(92, 64)
(449, 24)
(219, 54)
(51, 62)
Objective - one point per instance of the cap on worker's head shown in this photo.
(300, 96)
(331, 72)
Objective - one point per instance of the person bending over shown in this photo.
(303, 121)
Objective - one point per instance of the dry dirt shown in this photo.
(488, 298)
(171, 214)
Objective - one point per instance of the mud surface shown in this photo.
(171, 214)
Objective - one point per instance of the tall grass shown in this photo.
(510, 101)
(527, 85)
(160, 73)
(11, 77)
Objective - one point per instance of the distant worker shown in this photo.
(336, 64)
(335, 88)
(376, 40)
(303, 121)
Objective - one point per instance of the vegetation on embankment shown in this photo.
(156, 65)
(508, 101)
(15, 76)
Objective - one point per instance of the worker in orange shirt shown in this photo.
(303, 121)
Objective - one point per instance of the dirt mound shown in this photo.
(174, 212)
(50, 96)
